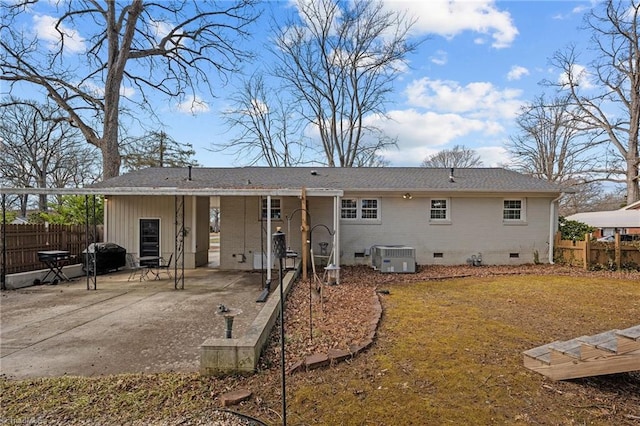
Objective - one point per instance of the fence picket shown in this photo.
(588, 254)
(25, 241)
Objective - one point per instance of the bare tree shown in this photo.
(459, 156)
(170, 47)
(586, 196)
(339, 60)
(156, 149)
(614, 76)
(38, 148)
(268, 130)
(552, 142)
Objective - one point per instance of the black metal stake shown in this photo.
(284, 397)
(280, 251)
(311, 310)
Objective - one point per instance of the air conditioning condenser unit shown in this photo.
(393, 259)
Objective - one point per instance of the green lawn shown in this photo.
(450, 352)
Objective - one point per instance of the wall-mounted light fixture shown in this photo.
(407, 196)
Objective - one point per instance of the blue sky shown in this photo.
(480, 62)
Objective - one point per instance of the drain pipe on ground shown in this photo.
(552, 227)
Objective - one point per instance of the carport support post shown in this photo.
(305, 235)
(280, 251)
(91, 277)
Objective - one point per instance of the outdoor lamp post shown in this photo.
(280, 252)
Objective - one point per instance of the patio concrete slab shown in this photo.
(123, 326)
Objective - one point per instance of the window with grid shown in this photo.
(276, 211)
(439, 209)
(349, 209)
(369, 209)
(512, 210)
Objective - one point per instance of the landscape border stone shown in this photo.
(336, 355)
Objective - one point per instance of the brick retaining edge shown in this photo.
(334, 356)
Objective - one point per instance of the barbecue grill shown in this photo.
(109, 257)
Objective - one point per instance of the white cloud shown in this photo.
(45, 28)
(160, 29)
(193, 105)
(415, 128)
(493, 156)
(517, 72)
(98, 91)
(477, 99)
(580, 75)
(449, 18)
(424, 133)
(439, 58)
(127, 92)
(442, 113)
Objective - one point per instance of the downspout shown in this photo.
(552, 227)
(336, 235)
(269, 238)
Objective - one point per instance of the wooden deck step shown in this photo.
(607, 341)
(541, 353)
(569, 348)
(632, 333)
(629, 339)
(610, 352)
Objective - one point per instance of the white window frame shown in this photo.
(352, 208)
(447, 210)
(276, 211)
(359, 209)
(522, 210)
(362, 209)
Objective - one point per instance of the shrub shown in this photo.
(573, 229)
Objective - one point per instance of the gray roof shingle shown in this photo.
(348, 179)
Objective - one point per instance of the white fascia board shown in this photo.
(315, 192)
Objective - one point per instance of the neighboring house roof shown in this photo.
(609, 219)
(334, 178)
(632, 206)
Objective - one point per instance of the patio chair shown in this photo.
(166, 267)
(134, 267)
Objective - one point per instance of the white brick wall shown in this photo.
(476, 226)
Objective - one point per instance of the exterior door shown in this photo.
(149, 237)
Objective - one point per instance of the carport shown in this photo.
(180, 231)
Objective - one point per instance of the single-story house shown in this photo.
(439, 215)
(626, 220)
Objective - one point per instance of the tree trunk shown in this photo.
(118, 55)
(633, 192)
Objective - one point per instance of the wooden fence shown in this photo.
(590, 254)
(23, 242)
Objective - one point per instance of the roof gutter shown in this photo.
(318, 192)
